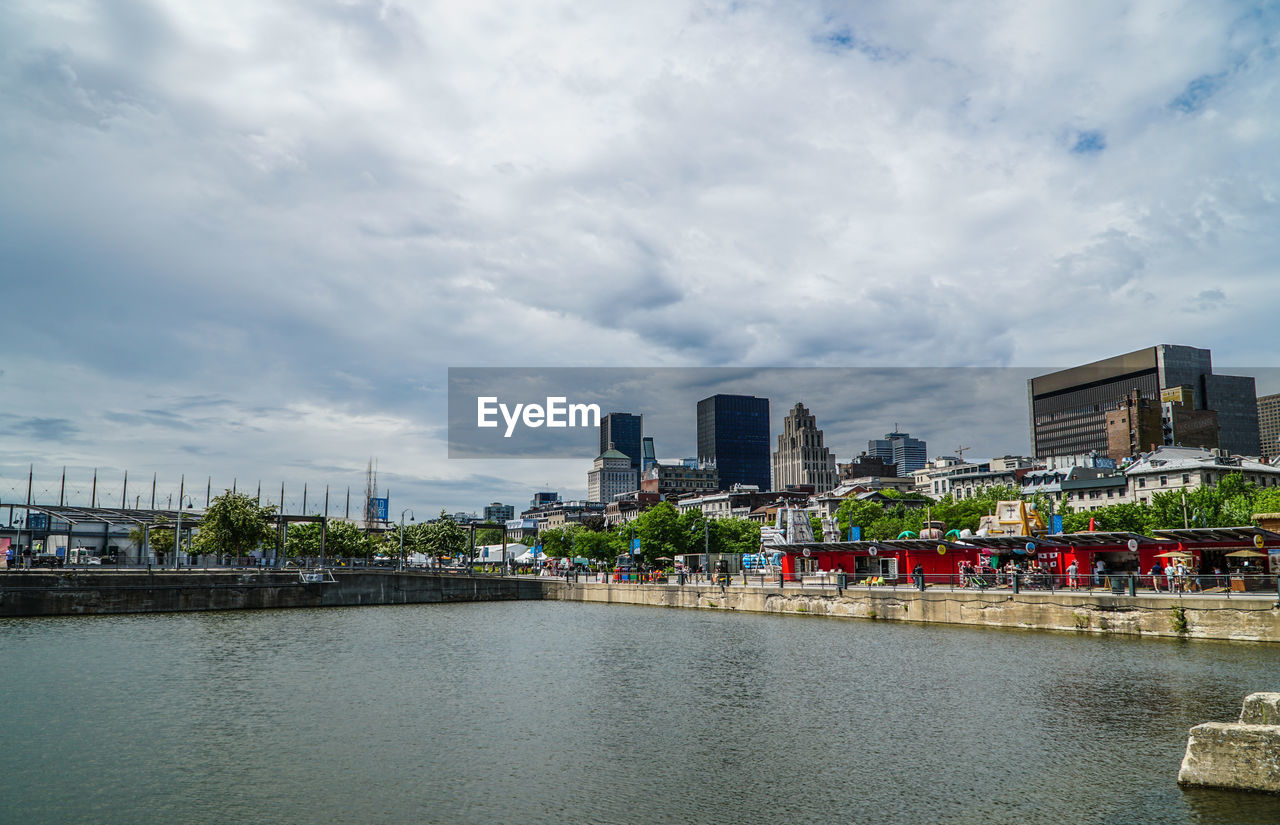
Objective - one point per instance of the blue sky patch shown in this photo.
(1193, 97)
(844, 39)
(1089, 143)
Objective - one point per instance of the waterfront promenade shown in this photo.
(1251, 616)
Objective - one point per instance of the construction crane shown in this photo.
(960, 452)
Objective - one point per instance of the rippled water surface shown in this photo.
(547, 712)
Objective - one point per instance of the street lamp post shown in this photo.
(177, 533)
(408, 510)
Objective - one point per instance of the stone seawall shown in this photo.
(61, 593)
(1244, 618)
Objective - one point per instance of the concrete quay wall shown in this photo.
(1241, 618)
(61, 593)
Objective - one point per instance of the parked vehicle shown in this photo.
(49, 560)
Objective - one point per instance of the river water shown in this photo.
(550, 712)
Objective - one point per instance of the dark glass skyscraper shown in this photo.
(623, 431)
(733, 431)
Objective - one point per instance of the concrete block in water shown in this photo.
(1242, 755)
(1261, 709)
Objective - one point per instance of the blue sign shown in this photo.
(38, 521)
(635, 546)
(60, 551)
(380, 508)
(855, 533)
(1055, 525)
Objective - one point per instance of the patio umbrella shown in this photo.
(1174, 554)
(1246, 554)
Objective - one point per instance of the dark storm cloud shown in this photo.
(40, 429)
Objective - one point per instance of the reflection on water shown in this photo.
(555, 712)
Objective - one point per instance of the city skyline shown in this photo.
(223, 257)
(843, 415)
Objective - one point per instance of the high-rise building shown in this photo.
(1269, 425)
(499, 512)
(648, 454)
(900, 449)
(542, 499)
(1068, 409)
(623, 432)
(733, 432)
(610, 475)
(801, 457)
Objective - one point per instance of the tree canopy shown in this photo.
(235, 523)
(342, 538)
(443, 537)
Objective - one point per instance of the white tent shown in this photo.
(528, 556)
(492, 553)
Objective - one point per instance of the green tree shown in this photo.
(663, 532)
(488, 535)
(159, 537)
(414, 540)
(444, 538)
(859, 514)
(557, 542)
(341, 539)
(600, 547)
(235, 524)
(1267, 501)
(1127, 517)
(736, 535)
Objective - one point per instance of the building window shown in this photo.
(1186, 478)
(1164, 481)
(1142, 482)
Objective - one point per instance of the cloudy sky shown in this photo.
(246, 240)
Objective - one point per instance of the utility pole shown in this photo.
(177, 533)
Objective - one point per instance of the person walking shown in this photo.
(1156, 572)
(1073, 579)
(1099, 571)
